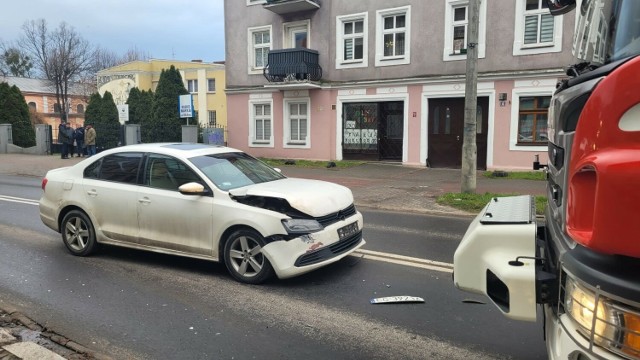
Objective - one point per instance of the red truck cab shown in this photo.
(581, 263)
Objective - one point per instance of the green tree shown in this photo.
(102, 114)
(140, 110)
(166, 125)
(15, 111)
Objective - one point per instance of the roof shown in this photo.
(34, 85)
(184, 150)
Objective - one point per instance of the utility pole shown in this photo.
(469, 147)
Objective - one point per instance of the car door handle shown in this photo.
(144, 201)
(92, 193)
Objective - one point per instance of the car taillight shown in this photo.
(44, 183)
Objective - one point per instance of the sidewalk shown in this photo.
(375, 185)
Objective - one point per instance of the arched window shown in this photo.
(80, 109)
(56, 108)
(32, 106)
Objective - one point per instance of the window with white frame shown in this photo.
(211, 85)
(296, 124)
(351, 41)
(192, 86)
(213, 119)
(393, 36)
(456, 30)
(536, 30)
(261, 124)
(255, 2)
(259, 46)
(459, 28)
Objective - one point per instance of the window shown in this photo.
(164, 172)
(392, 37)
(32, 106)
(56, 108)
(211, 85)
(212, 118)
(80, 109)
(456, 30)
(296, 125)
(296, 34)
(537, 31)
(255, 2)
(351, 41)
(532, 119)
(121, 167)
(261, 126)
(259, 46)
(460, 22)
(192, 86)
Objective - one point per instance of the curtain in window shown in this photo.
(531, 29)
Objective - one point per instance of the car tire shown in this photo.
(78, 233)
(244, 259)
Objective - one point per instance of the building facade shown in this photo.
(40, 95)
(385, 79)
(205, 81)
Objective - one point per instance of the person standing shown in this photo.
(72, 138)
(90, 140)
(63, 138)
(80, 141)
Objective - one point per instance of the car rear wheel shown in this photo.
(78, 234)
(244, 259)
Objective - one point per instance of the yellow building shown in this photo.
(206, 81)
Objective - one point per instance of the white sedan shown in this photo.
(201, 201)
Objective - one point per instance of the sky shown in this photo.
(164, 29)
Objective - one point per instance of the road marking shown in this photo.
(18, 200)
(420, 232)
(366, 254)
(405, 260)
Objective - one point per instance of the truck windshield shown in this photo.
(607, 31)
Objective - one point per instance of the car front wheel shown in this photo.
(244, 259)
(78, 234)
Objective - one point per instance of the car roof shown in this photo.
(181, 150)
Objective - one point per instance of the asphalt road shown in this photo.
(137, 305)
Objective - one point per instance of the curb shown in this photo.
(16, 316)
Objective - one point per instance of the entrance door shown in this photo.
(446, 131)
(391, 130)
(373, 131)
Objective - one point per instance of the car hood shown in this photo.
(312, 197)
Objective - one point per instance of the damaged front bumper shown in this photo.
(312, 251)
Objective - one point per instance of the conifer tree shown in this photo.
(166, 124)
(15, 111)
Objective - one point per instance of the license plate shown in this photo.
(347, 231)
(397, 299)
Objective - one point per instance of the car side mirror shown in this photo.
(193, 188)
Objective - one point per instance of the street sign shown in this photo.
(185, 106)
(123, 113)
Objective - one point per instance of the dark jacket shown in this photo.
(79, 134)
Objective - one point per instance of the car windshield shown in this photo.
(607, 31)
(233, 170)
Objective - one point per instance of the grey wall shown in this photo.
(427, 40)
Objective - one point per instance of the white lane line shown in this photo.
(367, 254)
(18, 200)
(405, 260)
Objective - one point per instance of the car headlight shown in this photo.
(603, 321)
(301, 226)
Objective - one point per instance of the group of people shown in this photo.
(82, 139)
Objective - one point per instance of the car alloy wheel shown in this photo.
(244, 259)
(78, 233)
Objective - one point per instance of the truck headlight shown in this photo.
(301, 226)
(604, 322)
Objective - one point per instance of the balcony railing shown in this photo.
(293, 65)
(291, 6)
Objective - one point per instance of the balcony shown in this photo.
(293, 66)
(282, 7)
